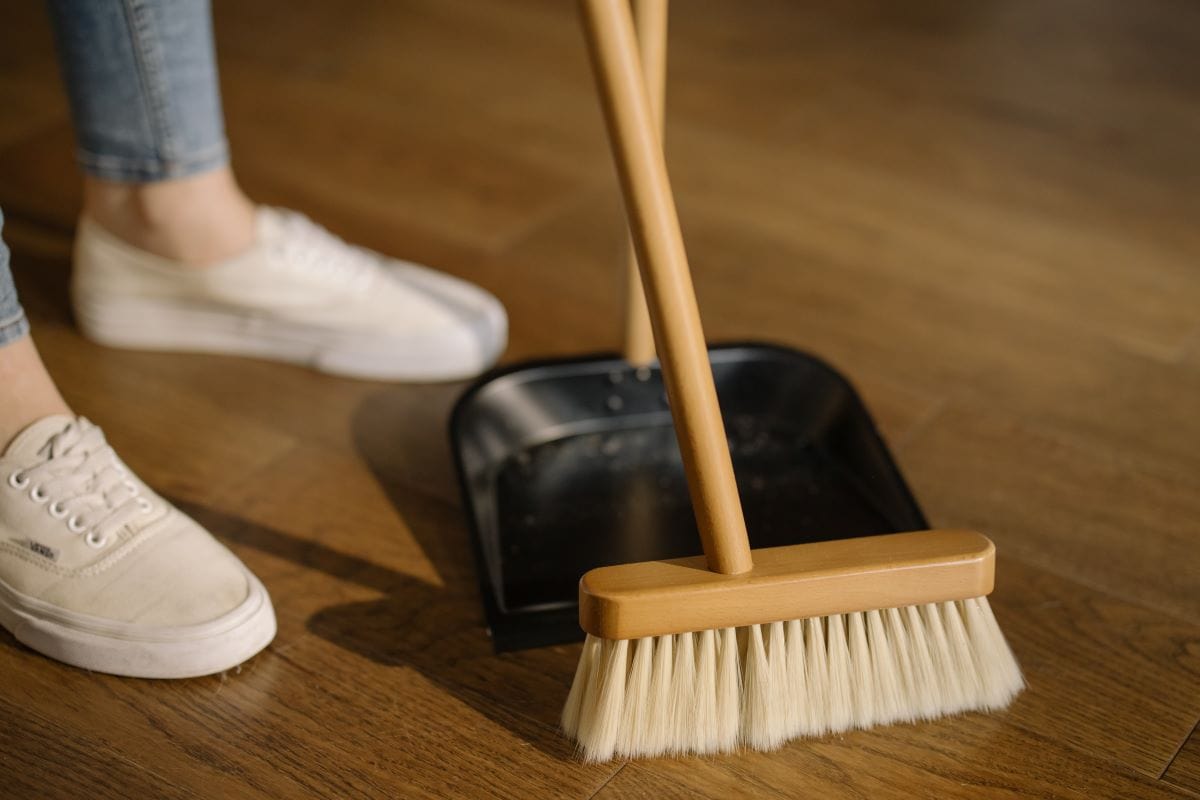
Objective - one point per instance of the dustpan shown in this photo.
(568, 465)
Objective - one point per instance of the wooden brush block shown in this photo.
(653, 598)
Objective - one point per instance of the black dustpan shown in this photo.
(570, 465)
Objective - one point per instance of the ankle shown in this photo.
(197, 221)
(27, 392)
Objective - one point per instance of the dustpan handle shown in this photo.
(672, 300)
(650, 18)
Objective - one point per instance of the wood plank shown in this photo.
(30, 95)
(516, 74)
(470, 192)
(1090, 513)
(1189, 351)
(838, 218)
(1045, 370)
(965, 757)
(986, 110)
(1184, 770)
(641, 784)
(497, 753)
(1086, 655)
(331, 497)
(114, 720)
(286, 725)
(197, 462)
(30, 107)
(39, 180)
(28, 743)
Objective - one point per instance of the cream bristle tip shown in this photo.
(758, 687)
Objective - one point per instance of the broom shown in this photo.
(734, 648)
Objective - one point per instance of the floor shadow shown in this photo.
(7, 640)
(444, 637)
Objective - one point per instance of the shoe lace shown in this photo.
(308, 249)
(84, 483)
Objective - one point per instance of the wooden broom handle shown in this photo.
(650, 18)
(668, 283)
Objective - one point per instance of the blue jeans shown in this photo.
(13, 324)
(141, 76)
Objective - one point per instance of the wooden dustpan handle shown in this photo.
(672, 300)
(650, 17)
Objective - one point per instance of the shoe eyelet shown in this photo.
(18, 480)
(145, 505)
(131, 486)
(57, 509)
(94, 541)
(75, 524)
(38, 495)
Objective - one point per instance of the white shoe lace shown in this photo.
(83, 483)
(306, 248)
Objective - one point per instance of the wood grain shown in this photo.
(29, 744)
(967, 757)
(1081, 508)
(640, 785)
(650, 20)
(1184, 770)
(654, 598)
(983, 214)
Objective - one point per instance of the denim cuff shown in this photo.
(124, 169)
(141, 76)
(13, 324)
(13, 328)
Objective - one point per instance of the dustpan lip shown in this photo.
(719, 349)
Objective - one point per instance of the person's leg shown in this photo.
(142, 80)
(197, 221)
(161, 201)
(27, 392)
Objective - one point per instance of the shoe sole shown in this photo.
(140, 651)
(166, 326)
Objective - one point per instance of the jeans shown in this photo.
(141, 76)
(13, 324)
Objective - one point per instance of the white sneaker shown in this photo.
(98, 571)
(300, 295)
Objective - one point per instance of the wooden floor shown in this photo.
(987, 214)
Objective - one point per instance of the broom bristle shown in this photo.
(684, 698)
(729, 692)
(704, 732)
(706, 693)
(816, 672)
(637, 699)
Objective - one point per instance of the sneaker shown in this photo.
(98, 571)
(299, 295)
